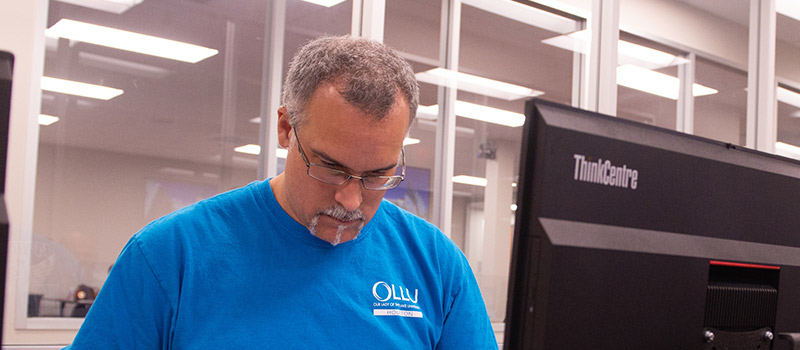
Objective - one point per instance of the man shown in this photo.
(313, 258)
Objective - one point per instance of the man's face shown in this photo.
(342, 137)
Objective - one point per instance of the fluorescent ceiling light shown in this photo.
(256, 150)
(129, 41)
(45, 119)
(788, 96)
(478, 112)
(628, 52)
(789, 8)
(113, 6)
(326, 3)
(489, 114)
(79, 89)
(428, 112)
(476, 84)
(256, 120)
(787, 150)
(410, 141)
(430, 125)
(470, 180)
(656, 83)
(561, 5)
(280, 152)
(525, 14)
(249, 149)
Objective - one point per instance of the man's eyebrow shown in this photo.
(328, 159)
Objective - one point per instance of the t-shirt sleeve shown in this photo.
(467, 324)
(132, 309)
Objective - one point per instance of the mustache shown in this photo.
(340, 213)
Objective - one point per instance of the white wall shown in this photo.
(674, 22)
(787, 63)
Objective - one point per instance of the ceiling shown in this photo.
(738, 11)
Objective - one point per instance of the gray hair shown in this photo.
(366, 73)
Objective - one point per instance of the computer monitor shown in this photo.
(6, 69)
(630, 236)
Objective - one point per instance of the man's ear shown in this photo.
(284, 127)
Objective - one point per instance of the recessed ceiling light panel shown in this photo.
(129, 41)
(628, 52)
(113, 6)
(325, 3)
(470, 180)
(46, 119)
(476, 112)
(788, 96)
(787, 150)
(476, 84)
(655, 83)
(789, 8)
(79, 89)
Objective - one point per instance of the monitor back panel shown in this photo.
(618, 224)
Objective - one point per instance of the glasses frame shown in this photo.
(350, 176)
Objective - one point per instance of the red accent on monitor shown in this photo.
(752, 266)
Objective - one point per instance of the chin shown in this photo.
(338, 234)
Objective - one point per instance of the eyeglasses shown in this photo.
(337, 177)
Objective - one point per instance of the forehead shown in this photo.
(330, 117)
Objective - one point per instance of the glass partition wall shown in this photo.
(722, 115)
(503, 60)
(788, 143)
(170, 131)
(413, 27)
(648, 81)
(178, 131)
(787, 68)
(162, 132)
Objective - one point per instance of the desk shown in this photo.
(83, 304)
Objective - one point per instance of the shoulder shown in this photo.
(423, 235)
(216, 208)
(399, 215)
(400, 218)
(199, 224)
(435, 254)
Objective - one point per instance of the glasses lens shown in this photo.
(327, 175)
(375, 182)
(382, 182)
(338, 177)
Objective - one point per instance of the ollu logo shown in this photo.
(384, 291)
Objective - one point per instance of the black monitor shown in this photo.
(630, 236)
(6, 69)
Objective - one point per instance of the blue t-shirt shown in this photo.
(237, 272)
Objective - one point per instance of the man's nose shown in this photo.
(348, 195)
